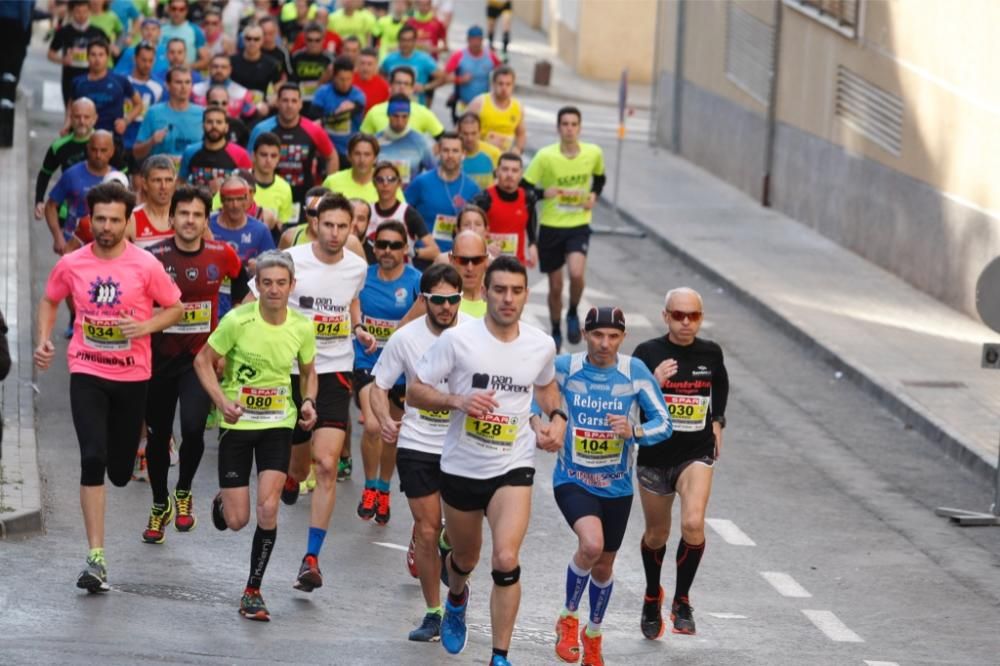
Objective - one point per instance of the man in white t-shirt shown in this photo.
(491, 367)
(328, 281)
(420, 434)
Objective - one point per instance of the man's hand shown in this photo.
(665, 371)
(531, 256)
(307, 415)
(159, 135)
(367, 340)
(479, 404)
(132, 328)
(59, 244)
(345, 107)
(620, 425)
(551, 192)
(231, 411)
(717, 431)
(591, 200)
(44, 353)
(390, 431)
(39, 210)
(549, 437)
(120, 126)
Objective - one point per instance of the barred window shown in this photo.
(843, 16)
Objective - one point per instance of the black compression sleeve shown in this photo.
(598, 184)
(240, 286)
(537, 192)
(532, 229)
(720, 389)
(415, 224)
(49, 166)
(482, 200)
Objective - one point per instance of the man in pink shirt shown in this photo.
(113, 285)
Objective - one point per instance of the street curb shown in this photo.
(903, 407)
(25, 522)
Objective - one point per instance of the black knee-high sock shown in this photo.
(688, 559)
(260, 553)
(652, 563)
(506, 40)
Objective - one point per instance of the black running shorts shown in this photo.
(576, 502)
(465, 494)
(663, 480)
(419, 472)
(362, 378)
(270, 447)
(555, 243)
(333, 404)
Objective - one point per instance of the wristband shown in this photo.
(357, 325)
(720, 419)
(558, 412)
(307, 399)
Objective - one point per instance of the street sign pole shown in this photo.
(617, 229)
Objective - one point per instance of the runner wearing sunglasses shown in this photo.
(692, 375)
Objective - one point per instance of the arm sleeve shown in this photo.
(415, 222)
(452, 65)
(597, 183)
(223, 337)
(199, 36)
(58, 193)
(657, 426)
(435, 366)
(319, 137)
(548, 371)
(266, 242)
(257, 130)
(185, 169)
(434, 126)
(483, 200)
(532, 229)
(307, 352)
(240, 286)
(720, 388)
(127, 87)
(145, 129)
(49, 166)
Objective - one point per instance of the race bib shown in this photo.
(104, 334)
(571, 200)
(78, 56)
(444, 227)
(197, 319)
(438, 419)
(330, 328)
(596, 448)
(227, 286)
(381, 329)
(339, 124)
(493, 432)
(264, 405)
(309, 89)
(688, 412)
(501, 141)
(508, 242)
(256, 96)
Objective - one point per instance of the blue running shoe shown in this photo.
(573, 329)
(454, 634)
(497, 660)
(557, 338)
(429, 630)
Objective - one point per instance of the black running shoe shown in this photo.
(682, 615)
(309, 576)
(652, 616)
(290, 491)
(218, 518)
(573, 329)
(94, 577)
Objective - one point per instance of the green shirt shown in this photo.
(109, 23)
(475, 309)
(573, 177)
(422, 120)
(387, 32)
(277, 197)
(341, 182)
(259, 359)
(360, 24)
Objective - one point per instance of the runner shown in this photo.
(368, 80)
(150, 92)
(503, 10)
(411, 151)
(428, 75)
(423, 248)
(258, 341)
(473, 218)
(356, 180)
(240, 103)
(208, 162)
(271, 45)
(306, 232)
(171, 126)
(469, 69)
(480, 158)
(391, 288)
(219, 98)
(311, 67)
(257, 72)
(569, 176)
(108, 91)
(418, 438)
(511, 210)
(197, 267)
(388, 28)
(488, 453)
(113, 286)
(340, 107)
(422, 119)
(66, 150)
(692, 374)
(603, 392)
(272, 192)
(352, 20)
(432, 33)
(69, 45)
(440, 194)
(326, 295)
(150, 222)
(500, 113)
(306, 150)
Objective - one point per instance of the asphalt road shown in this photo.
(823, 547)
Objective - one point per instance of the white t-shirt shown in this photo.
(323, 293)
(422, 430)
(470, 359)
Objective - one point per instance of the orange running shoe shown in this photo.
(591, 649)
(567, 645)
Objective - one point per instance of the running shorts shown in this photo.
(419, 472)
(362, 378)
(663, 480)
(495, 9)
(576, 502)
(271, 448)
(554, 243)
(467, 494)
(333, 404)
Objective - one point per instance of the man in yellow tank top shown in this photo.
(500, 115)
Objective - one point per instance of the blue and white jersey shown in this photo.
(593, 456)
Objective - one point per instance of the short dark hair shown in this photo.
(392, 225)
(289, 85)
(216, 87)
(335, 201)
(469, 117)
(505, 263)
(214, 109)
(186, 193)
(267, 139)
(266, 19)
(439, 273)
(359, 137)
(450, 134)
(404, 69)
(177, 69)
(220, 56)
(568, 110)
(76, 3)
(178, 40)
(502, 70)
(352, 38)
(343, 64)
(369, 51)
(107, 193)
(406, 28)
(399, 97)
(99, 42)
(510, 157)
(144, 46)
(313, 26)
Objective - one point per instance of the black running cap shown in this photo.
(604, 318)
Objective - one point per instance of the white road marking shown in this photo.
(831, 625)
(785, 584)
(390, 545)
(728, 616)
(880, 663)
(729, 532)
(52, 97)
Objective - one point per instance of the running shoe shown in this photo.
(173, 448)
(682, 615)
(567, 645)
(344, 468)
(252, 606)
(652, 616)
(139, 473)
(218, 518)
(411, 561)
(454, 633)
(444, 549)
(94, 577)
(185, 520)
(429, 630)
(573, 328)
(311, 479)
(592, 655)
(309, 576)
(382, 508)
(159, 518)
(557, 338)
(497, 660)
(366, 507)
(290, 491)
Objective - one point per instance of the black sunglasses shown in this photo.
(465, 261)
(441, 299)
(389, 245)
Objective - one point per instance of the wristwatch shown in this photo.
(558, 412)
(720, 419)
(637, 432)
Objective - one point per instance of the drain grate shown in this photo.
(933, 384)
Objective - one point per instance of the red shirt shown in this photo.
(331, 42)
(376, 90)
(432, 36)
(508, 222)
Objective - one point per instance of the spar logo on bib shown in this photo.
(482, 380)
(106, 293)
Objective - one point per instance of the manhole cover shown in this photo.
(934, 384)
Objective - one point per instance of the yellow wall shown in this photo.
(613, 35)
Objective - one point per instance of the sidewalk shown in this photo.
(20, 487)
(911, 353)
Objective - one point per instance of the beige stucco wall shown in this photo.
(529, 11)
(614, 34)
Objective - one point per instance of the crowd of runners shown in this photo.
(266, 224)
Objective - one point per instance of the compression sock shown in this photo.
(652, 563)
(555, 328)
(158, 466)
(96, 555)
(489, 36)
(600, 594)
(371, 483)
(688, 559)
(316, 536)
(500, 653)
(571, 312)
(506, 41)
(382, 486)
(260, 553)
(576, 583)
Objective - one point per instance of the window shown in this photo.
(844, 16)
